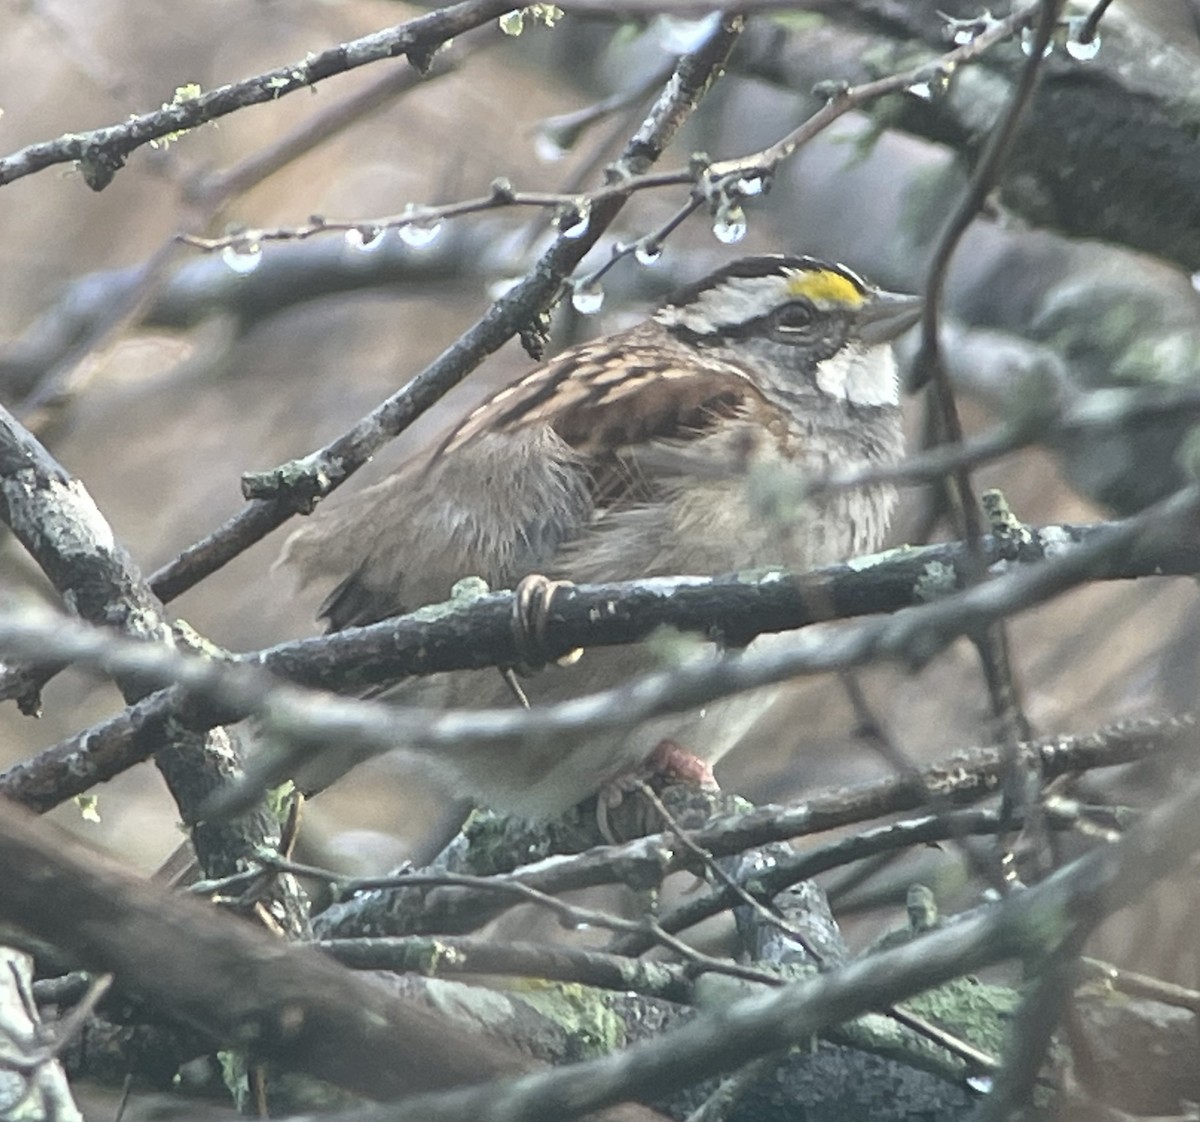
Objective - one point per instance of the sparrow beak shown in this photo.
(887, 315)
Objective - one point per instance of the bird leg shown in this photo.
(514, 684)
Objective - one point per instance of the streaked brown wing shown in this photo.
(610, 396)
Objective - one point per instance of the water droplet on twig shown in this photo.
(1080, 49)
(1027, 41)
(751, 186)
(648, 252)
(366, 239)
(730, 225)
(680, 36)
(964, 31)
(587, 299)
(418, 235)
(548, 147)
(242, 258)
(931, 83)
(573, 221)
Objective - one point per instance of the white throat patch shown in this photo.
(861, 376)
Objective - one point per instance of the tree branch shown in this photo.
(478, 633)
(102, 152)
(55, 519)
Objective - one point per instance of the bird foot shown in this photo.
(531, 608)
(670, 762)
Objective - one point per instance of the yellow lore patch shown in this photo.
(825, 287)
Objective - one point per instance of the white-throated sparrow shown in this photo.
(632, 455)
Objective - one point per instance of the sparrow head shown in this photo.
(809, 328)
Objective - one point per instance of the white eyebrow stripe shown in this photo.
(736, 300)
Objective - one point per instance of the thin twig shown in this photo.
(976, 1058)
(736, 891)
(102, 152)
(1090, 25)
(1140, 985)
(991, 642)
(570, 915)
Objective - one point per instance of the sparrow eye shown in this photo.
(793, 322)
